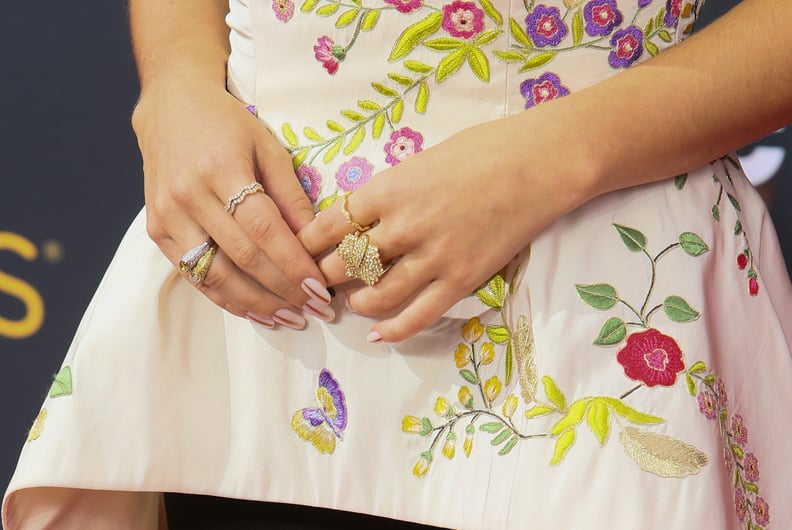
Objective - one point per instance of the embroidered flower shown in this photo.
(472, 330)
(740, 504)
(462, 19)
(412, 425)
(492, 388)
(403, 143)
(720, 392)
(544, 88)
(462, 355)
(353, 173)
(742, 260)
(465, 397)
(545, 26)
(283, 9)
(753, 286)
(510, 405)
(443, 407)
(751, 467)
(487, 353)
(673, 10)
(708, 404)
(761, 511)
(422, 465)
(738, 430)
(728, 459)
(467, 445)
(310, 180)
(627, 47)
(327, 53)
(644, 3)
(405, 6)
(601, 16)
(651, 357)
(449, 447)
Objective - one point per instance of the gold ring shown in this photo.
(237, 198)
(191, 257)
(348, 217)
(198, 272)
(361, 258)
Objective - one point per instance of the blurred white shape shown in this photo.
(762, 163)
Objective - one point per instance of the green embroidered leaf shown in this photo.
(750, 486)
(554, 393)
(335, 126)
(572, 418)
(633, 239)
(538, 410)
(509, 445)
(564, 442)
(376, 127)
(488, 299)
(299, 158)
(385, 90)
(487, 36)
(308, 5)
(598, 418)
(613, 332)
(357, 138)
(329, 9)
(333, 150)
(470, 429)
(289, 135)
(509, 364)
(479, 63)
(414, 34)
(397, 110)
(692, 244)
(691, 384)
(444, 44)
(327, 201)
(659, 17)
(510, 56)
(519, 34)
(370, 20)
(491, 427)
(651, 47)
(417, 67)
(648, 27)
(680, 180)
(469, 376)
(367, 104)
(358, 2)
(598, 295)
(62, 385)
(498, 334)
(737, 451)
(346, 18)
(352, 115)
(450, 64)
(402, 79)
(505, 433)
(678, 310)
(710, 379)
(577, 27)
(738, 228)
(716, 212)
(426, 426)
(619, 407)
(733, 200)
(663, 34)
(698, 366)
(423, 97)
(491, 12)
(312, 134)
(497, 284)
(537, 60)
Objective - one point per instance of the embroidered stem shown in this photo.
(633, 389)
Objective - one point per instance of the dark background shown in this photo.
(71, 181)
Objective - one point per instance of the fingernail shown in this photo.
(316, 290)
(264, 321)
(374, 336)
(288, 318)
(325, 312)
(348, 305)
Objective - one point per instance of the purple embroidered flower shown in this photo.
(740, 504)
(353, 173)
(708, 404)
(545, 26)
(728, 459)
(673, 10)
(644, 3)
(627, 47)
(283, 9)
(761, 511)
(544, 88)
(462, 19)
(310, 180)
(751, 467)
(739, 431)
(327, 53)
(405, 6)
(403, 143)
(601, 17)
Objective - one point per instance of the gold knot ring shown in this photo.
(361, 258)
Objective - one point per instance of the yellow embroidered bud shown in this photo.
(510, 405)
(412, 425)
(449, 447)
(487, 352)
(467, 445)
(462, 355)
(686, 10)
(492, 388)
(465, 397)
(422, 465)
(473, 330)
(443, 407)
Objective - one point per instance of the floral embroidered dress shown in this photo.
(630, 370)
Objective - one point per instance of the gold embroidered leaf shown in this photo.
(422, 99)
(554, 393)
(491, 12)
(370, 20)
(661, 454)
(526, 359)
(347, 17)
(562, 445)
(414, 34)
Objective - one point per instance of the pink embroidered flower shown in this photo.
(283, 9)
(353, 173)
(708, 404)
(651, 357)
(728, 459)
(462, 19)
(738, 430)
(742, 261)
(310, 180)
(761, 511)
(753, 286)
(544, 88)
(720, 392)
(545, 26)
(327, 53)
(405, 6)
(673, 10)
(403, 143)
(751, 467)
(627, 47)
(740, 504)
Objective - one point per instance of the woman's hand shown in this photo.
(199, 147)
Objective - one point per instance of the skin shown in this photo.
(735, 90)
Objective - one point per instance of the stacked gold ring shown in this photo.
(196, 261)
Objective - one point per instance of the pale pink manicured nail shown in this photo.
(325, 312)
(316, 290)
(374, 337)
(264, 321)
(288, 318)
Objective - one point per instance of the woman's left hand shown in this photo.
(447, 218)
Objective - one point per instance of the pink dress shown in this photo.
(629, 370)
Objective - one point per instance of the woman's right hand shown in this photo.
(199, 146)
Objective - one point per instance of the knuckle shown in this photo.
(262, 229)
(214, 281)
(246, 255)
(182, 191)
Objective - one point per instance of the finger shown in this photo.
(330, 225)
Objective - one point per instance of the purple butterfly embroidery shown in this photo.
(323, 424)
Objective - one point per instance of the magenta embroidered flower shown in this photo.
(405, 6)
(544, 88)
(753, 286)
(720, 392)
(761, 511)
(673, 10)
(462, 19)
(728, 459)
(403, 143)
(601, 16)
(742, 261)
(310, 180)
(740, 504)
(283, 9)
(327, 53)
(651, 357)
(751, 467)
(627, 47)
(708, 404)
(738, 430)
(545, 26)
(353, 173)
